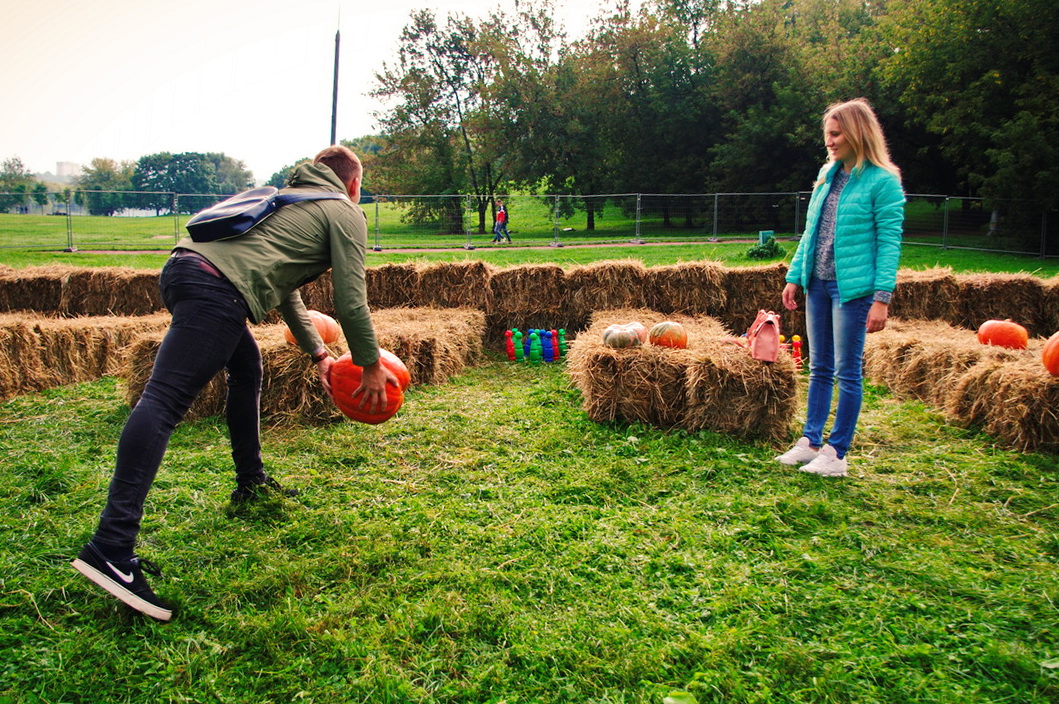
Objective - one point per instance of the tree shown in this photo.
(164, 174)
(15, 182)
(446, 130)
(983, 77)
(99, 186)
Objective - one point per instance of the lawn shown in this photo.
(492, 544)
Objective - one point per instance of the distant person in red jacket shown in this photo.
(500, 226)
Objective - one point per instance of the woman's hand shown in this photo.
(877, 315)
(790, 296)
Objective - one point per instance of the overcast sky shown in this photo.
(123, 78)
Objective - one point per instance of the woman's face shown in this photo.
(837, 147)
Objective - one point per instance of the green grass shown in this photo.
(727, 253)
(491, 544)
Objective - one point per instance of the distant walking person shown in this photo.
(211, 289)
(500, 225)
(846, 265)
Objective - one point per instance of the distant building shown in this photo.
(66, 171)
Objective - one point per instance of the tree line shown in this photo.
(705, 96)
(679, 96)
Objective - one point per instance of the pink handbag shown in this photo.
(763, 336)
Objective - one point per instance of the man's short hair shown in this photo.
(341, 160)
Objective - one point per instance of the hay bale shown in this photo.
(454, 284)
(1014, 401)
(922, 359)
(714, 384)
(691, 288)
(749, 289)
(33, 288)
(434, 344)
(110, 291)
(525, 297)
(393, 285)
(41, 352)
(929, 294)
(21, 369)
(606, 285)
(730, 392)
(1018, 297)
(1050, 318)
(319, 294)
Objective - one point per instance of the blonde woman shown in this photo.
(846, 265)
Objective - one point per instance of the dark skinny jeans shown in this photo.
(208, 333)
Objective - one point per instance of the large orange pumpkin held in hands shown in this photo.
(1003, 333)
(669, 334)
(325, 325)
(394, 363)
(345, 380)
(1050, 355)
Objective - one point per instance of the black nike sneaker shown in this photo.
(265, 487)
(124, 580)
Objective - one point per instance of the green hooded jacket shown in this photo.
(291, 247)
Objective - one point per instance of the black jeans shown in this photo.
(208, 333)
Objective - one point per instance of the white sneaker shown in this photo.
(827, 464)
(799, 454)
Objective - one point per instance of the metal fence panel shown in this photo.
(127, 220)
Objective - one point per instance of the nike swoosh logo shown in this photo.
(127, 578)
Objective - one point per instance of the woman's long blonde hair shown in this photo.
(863, 132)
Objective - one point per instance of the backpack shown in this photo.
(763, 336)
(236, 215)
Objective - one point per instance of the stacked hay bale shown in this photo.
(393, 285)
(930, 294)
(433, 344)
(110, 291)
(690, 288)
(605, 285)
(1018, 297)
(1050, 319)
(713, 384)
(1007, 393)
(33, 289)
(454, 284)
(525, 297)
(74, 291)
(749, 289)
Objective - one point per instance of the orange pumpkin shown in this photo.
(1050, 355)
(621, 337)
(669, 334)
(1003, 333)
(397, 367)
(325, 325)
(345, 380)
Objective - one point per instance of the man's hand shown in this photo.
(323, 368)
(373, 383)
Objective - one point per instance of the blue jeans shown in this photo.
(836, 333)
(208, 333)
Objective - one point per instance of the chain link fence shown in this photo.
(146, 221)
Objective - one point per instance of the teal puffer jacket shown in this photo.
(867, 232)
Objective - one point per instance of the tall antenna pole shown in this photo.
(334, 95)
